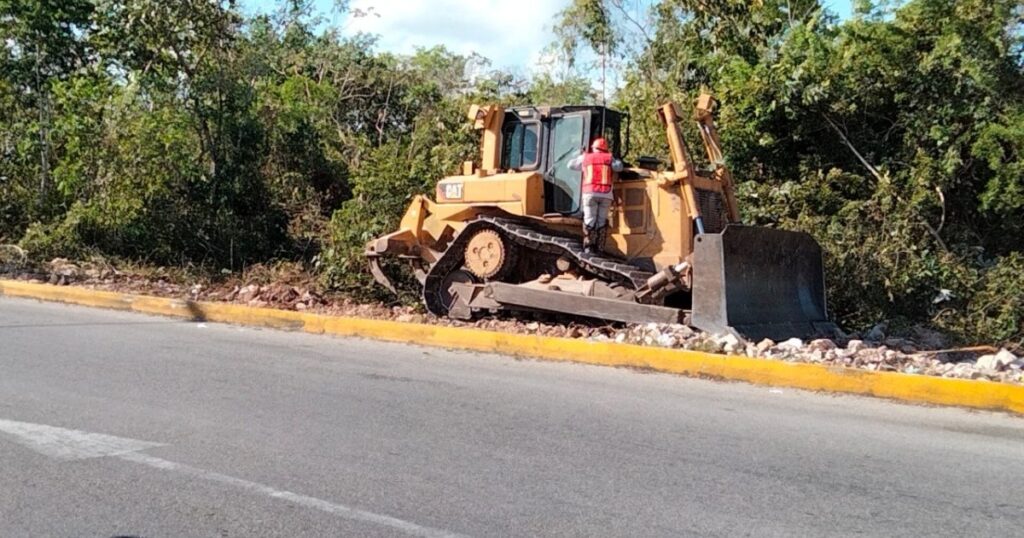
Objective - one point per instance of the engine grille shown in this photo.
(712, 209)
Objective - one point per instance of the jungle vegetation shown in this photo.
(188, 134)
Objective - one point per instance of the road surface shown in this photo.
(117, 424)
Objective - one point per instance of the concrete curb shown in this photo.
(904, 387)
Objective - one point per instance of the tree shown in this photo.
(45, 41)
(893, 137)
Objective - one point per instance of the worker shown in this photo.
(597, 167)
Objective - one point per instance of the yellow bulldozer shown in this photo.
(505, 234)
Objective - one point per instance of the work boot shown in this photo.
(600, 235)
(589, 235)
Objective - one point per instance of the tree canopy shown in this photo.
(188, 133)
(893, 137)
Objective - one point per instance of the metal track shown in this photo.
(525, 235)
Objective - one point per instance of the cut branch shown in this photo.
(874, 171)
(842, 135)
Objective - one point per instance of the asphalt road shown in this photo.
(229, 432)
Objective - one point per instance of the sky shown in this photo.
(511, 33)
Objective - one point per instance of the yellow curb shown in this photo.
(905, 387)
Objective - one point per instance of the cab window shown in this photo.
(563, 183)
(520, 145)
(611, 132)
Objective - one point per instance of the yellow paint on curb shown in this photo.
(905, 387)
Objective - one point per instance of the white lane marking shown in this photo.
(67, 444)
(295, 498)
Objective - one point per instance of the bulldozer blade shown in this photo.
(759, 283)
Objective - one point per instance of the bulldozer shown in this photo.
(505, 234)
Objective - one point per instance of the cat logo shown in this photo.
(452, 191)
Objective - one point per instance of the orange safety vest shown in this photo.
(597, 172)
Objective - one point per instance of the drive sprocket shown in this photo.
(487, 254)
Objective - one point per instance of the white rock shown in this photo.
(729, 343)
(765, 345)
(684, 331)
(997, 361)
(986, 361)
(855, 345)
(793, 344)
(871, 356)
(248, 293)
(988, 372)
(1006, 358)
(708, 345)
(821, 344)
(965, 370)
(667, 340)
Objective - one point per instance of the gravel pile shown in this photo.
(291, 288)
(880, 353)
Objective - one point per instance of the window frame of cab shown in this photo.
(513, 120)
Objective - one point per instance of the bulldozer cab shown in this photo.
(545, 139)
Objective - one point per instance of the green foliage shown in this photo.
(185, 133)
(587, 21)
(999, 145)
(406, 165)
(132, 186)
(545, 89)
(43, 39)
(994, 306)
(169, 133)
(895, 138)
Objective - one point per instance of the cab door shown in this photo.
(562, 186)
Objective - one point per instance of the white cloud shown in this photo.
(511, 33)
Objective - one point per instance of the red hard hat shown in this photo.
(599, 144)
